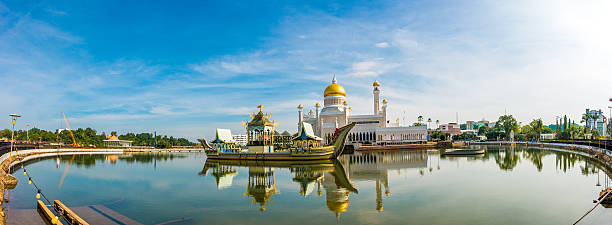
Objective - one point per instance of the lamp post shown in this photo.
(14, 121)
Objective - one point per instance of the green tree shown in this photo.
(163, 144)
(482, 130)
(586, 117)
(537, 126)
(507, 124)
(420, 121)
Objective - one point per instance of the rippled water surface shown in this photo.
(505, 186)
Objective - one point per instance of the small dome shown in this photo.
(334, 89)
(318, 105)
(300, 106)
(311, 111)
(338, 207)
(113, 138)
(384, 101)
(376, 84)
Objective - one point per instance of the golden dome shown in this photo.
(311, 111)
(384, 101)
(113, 138)
(300, 106)
(376, 84)
(337, 207)
(334, 89)
(318, 105)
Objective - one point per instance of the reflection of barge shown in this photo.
(261, 186)
(261, 146)
(464, 151)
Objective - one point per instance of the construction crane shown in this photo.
(68, 127)
(72, 159)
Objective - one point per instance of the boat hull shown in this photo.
(464, 152)
(320, 153)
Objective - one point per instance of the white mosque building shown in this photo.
(372, 129)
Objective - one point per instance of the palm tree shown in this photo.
(585, 119)
(595, 117)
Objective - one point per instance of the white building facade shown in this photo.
(371, 129)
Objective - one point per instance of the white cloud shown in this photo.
(382, 44)
(371, 68)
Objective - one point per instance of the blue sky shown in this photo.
(186, 68)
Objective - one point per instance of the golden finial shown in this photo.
(260, 107)
(384, 101)
(376, 84)
(318, 105)
(300, 106)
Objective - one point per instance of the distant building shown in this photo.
(241, 139)
(547, 136)
(469, 131)
(553, 127)
(401, 135)
(598, 124)
(114, 142)
(482, 123)
(469, 125)
(450, 128)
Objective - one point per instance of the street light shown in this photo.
(14, 120)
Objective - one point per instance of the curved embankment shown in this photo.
(604, 156)
(10, 160)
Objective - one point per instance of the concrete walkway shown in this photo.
(93, 214)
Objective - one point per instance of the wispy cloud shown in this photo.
(382, 44)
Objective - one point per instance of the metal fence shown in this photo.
(605, 144)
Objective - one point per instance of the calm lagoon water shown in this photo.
(505, 186)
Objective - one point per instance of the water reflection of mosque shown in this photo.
(335, 177)
(376, 166)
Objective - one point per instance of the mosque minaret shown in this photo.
(370, 129)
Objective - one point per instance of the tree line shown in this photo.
(90, 137)
(565, 129)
